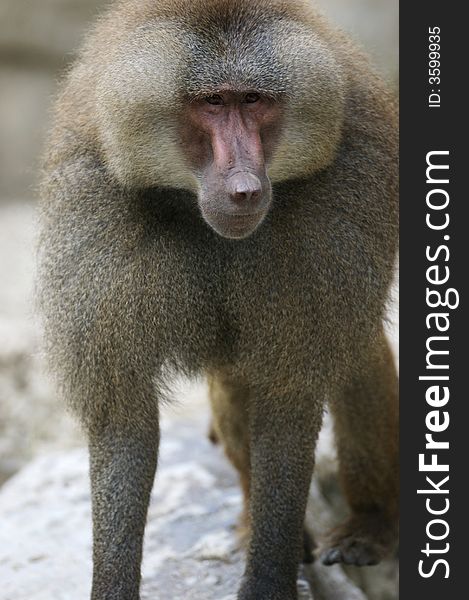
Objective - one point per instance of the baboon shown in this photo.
(220, 197)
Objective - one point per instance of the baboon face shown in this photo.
(229, 137)
(223, 108)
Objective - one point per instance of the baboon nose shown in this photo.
(245, 187)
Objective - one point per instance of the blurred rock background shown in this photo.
(37, 42)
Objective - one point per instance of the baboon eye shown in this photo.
(215, 99)
(251, 98)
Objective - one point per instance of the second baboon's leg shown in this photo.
(123, 462)
(367, 429)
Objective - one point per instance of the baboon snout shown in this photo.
(245, 189)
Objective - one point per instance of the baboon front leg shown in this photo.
(367, 428)
(283, 437)
(123, 462)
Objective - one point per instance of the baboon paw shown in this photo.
(362, 541)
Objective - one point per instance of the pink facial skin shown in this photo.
(229, 138)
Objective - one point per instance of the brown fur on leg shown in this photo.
(230, 426)
(367, 430)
